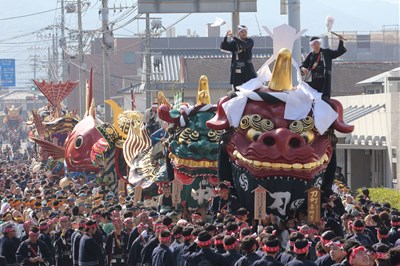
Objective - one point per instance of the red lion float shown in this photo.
(277, 137)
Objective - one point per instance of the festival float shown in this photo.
(75, 151)
(52, 122)
(279, 139)
(193, 149)
(12, 122)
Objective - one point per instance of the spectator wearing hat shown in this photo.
(90, 252)
(271, 247)
(162, 255)
(231, 245)
(205, 255)
(241, 46)
(116, 245)
(33, 251)
(224, 203)
(9, 244)
(317, 66)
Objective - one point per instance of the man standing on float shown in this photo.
(317, 67)
(242, 69)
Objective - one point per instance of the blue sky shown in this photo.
(19, 36)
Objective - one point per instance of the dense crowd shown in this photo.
(43, 223)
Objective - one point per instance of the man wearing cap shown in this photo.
(224, 202)
(317, 67)
(242, 69)
(9, 245)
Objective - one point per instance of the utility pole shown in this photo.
(235, 18)
(63, 43)
(49, 68)
(106, 60)
(235, 21)
(294, 21)
(80, 56)
(148, 63)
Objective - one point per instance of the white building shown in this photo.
(369, 155)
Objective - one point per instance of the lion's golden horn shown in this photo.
(281, 79)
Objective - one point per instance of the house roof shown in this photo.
(378, 79)
(353, 113)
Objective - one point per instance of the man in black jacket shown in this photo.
(9, 245)
(242, 69)
(317, 67)
(33, 251)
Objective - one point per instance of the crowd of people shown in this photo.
(85, 224)
(45, 222)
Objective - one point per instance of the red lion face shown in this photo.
(268, 145)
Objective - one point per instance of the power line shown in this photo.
(29, 15)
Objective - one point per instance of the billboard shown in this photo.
(196, 6)
(7, 72)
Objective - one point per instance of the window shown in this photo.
(129, 58)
